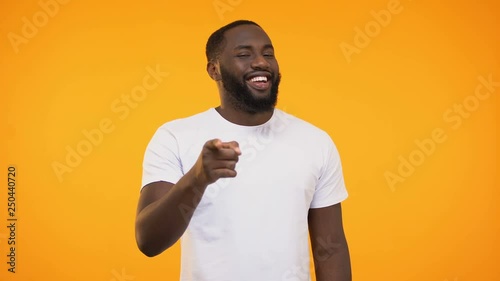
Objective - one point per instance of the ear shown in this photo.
(213, 70)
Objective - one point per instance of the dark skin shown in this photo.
(160, 223)
(330, 251)
(247, 50)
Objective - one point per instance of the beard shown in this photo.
(241, 97)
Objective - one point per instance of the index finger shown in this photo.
(233, 145)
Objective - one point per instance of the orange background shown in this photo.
(440, 224)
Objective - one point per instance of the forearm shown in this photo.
(160, 224)
(333, 263)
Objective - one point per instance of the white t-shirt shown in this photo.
(254, 226)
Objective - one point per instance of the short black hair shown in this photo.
(215, 42)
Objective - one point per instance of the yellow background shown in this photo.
(440, 224)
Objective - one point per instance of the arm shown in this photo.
(329, 245)
(165, 209)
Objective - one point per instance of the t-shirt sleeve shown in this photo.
(330, 188)
(161, 159)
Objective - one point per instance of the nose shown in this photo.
(260, 62)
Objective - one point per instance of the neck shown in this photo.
(244, 118)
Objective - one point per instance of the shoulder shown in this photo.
(174, 130)
(190, 122)
(300, 127)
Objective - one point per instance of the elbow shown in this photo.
(150, 250)
(146, 247)
(149, 244)
(147, 251)
(144, 243)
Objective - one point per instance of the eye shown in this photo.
(269, 55)
(244, 55)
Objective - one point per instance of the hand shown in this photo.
(217, 160)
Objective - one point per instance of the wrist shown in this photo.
(194, 181)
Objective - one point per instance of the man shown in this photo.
(244, 183)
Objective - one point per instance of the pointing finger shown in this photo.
(233, 145)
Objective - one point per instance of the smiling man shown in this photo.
(244, 184)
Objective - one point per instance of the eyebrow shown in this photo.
(240, 47)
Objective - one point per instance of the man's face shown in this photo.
(249, 70)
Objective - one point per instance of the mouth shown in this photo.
(259, 81)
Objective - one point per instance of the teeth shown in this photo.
(259, 78)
